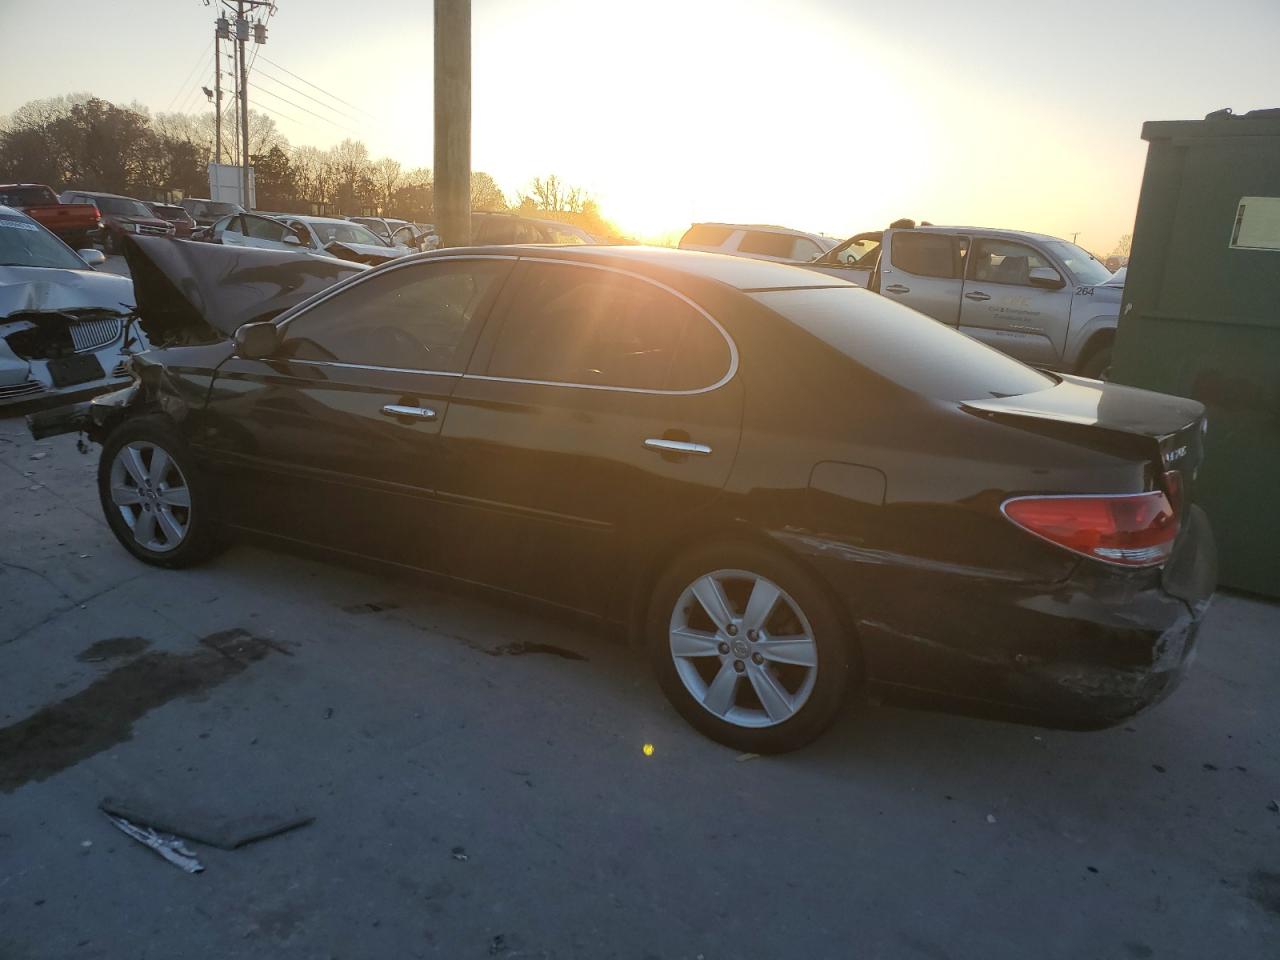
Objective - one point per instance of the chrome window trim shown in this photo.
(303, 308)
(733, 347)
(369, 366)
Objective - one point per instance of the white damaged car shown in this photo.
(63, 326)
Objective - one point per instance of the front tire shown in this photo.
(154, 498)
(748, 648)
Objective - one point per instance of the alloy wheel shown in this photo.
(152, 495)
(743, 648)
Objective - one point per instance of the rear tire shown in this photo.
(768, 672)
(1097, 365)
(156, 501)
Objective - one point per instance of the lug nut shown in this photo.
(722, 647)
(731, 630)
(757, 659)
(739, 665)
(753, 636)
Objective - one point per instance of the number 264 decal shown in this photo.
(1084, 291)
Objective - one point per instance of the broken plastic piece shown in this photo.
(171, 848)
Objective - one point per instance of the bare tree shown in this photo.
(550, 195)
(485, 193)
(1123, 245)
(387, 177)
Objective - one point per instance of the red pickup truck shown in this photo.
(76, 224)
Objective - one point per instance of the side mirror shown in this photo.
(257, 341)
(1046, 277)
(94, 258)
(292, 240)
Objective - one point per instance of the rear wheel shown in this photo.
(748, 648)
(154, 499)
(1097, 365)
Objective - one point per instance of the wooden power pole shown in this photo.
(452, 191)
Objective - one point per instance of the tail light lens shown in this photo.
(1132, 530)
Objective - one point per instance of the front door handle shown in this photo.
(400, 410)
(977, 295)
(663, 445)
(897, 288)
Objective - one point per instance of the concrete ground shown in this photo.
(472, 802)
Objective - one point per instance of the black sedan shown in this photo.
(786, 487)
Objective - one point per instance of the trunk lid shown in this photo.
(1166, 431)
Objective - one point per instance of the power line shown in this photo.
(320, 88)
(189, 76)
(340, 113)
(274, 113)
(184, 103)
(299, 106)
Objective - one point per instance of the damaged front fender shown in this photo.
(95, 417)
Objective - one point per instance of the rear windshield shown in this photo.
(27, 196)
(905, 347)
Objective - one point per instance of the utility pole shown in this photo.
(221, 31)
(242, 34)
(452, 192)
(1074, 235)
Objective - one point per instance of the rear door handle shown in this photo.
(417, 413)
(977, 295)
(897, 288)
(663, 445)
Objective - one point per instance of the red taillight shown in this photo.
(1173, 487)
(1133, 530)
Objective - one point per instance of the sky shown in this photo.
(834, 116)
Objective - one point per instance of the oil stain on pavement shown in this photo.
(113, 648)
(102, 715)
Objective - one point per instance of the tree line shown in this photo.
(85, 142)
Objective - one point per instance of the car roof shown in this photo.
(994, 231)
(308, 219)
(741, 273)
(95, 193)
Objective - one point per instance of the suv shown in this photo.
(207, 212)
(758, 241)
(1039, 299)
(120, 216)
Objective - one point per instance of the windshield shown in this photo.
(563, 235)
(122, 207)
(23, 244)
(345, 233)
(1084, 266)
(904, 347)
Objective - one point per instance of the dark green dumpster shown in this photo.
(1201, 318)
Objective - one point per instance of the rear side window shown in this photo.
(418, 317)
(260, 228)
(781, 245)
(582, 325)
(905, 347)
(928, 254)
(705, 235)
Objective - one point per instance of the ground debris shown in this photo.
(459, 854)
(991, 818)
(171, 848)
(1274, 806)
(226, 830)
(744, 757)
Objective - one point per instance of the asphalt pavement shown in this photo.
(482, 783)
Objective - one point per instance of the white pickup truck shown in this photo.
(1042, 300)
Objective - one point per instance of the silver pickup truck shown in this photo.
(1042, 300)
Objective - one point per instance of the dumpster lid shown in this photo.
(1219, 123)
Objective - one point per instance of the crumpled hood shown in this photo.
(188, 289)
(364, 252)
(41, 289)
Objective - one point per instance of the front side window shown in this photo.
(805, 250)
(582, 325)
(1004, 261)
(417, 317)
(227, 225)
(860, 251)
(929, 254)
(497, 230)
(260, 228)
